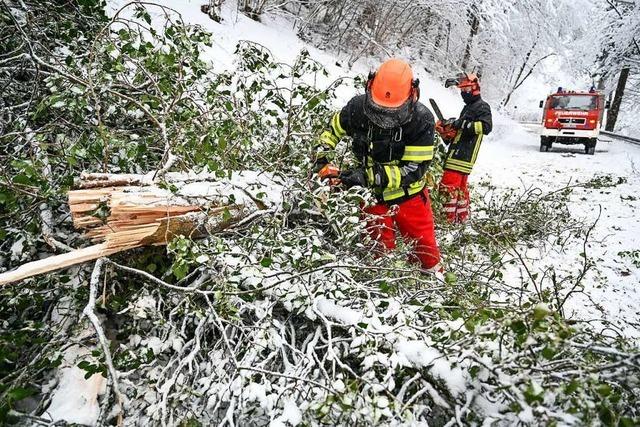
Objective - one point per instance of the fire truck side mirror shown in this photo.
(607, 104)
(541, 104)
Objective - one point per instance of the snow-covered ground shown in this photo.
(509, 158)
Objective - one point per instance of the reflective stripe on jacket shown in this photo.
(403, 153)
(463, 151)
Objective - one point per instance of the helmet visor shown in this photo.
(388, 117)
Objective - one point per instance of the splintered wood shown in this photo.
(133, 216)
(127, 216)
(120, 212)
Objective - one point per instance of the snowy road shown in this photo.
(605, 137)
(510, 157)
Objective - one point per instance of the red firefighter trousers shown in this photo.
(454, 187)
(414, 220)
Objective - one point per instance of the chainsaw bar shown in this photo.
(436, 109)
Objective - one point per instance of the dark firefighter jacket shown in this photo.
(475, 122)
(400, 156)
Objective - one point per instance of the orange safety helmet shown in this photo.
(392, 84)
(465, 80)
(392, 93)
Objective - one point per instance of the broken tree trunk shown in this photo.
(121, 212)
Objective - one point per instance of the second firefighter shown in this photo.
(464, 136)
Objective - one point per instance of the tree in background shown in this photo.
(619, 60)
(504, 41)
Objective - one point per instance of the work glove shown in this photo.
(354, 178)
(378, 176)
(460, 123)
(318, 164)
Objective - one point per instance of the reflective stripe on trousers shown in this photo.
(414, 219)
(454, 187)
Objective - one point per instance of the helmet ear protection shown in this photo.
(415, 89)
(372, 75)
(415, 86)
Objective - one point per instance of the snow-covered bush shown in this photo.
(291, 320)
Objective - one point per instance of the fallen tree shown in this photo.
(121, 212)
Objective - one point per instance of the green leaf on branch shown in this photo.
(266, 262)
(450, 278)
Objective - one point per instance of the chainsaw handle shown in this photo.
(446, 130)
(329, 171)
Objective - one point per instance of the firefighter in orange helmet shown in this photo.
(393, 137)
(464, 137)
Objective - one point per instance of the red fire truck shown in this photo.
(572, 117)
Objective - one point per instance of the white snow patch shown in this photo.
(17, 248)
(291, 414)
(419, 354)
(243, 188)
(614, 287)
(455, 325)
(144, 305)
(257, 392)
(155, 344)
(526, 415)
(334, 311)
(75, 400)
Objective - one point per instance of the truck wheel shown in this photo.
(544, 144)
(590, 147)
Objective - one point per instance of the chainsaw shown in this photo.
(331, 173)
(444, 127)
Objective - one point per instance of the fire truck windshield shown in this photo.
(574, 102)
